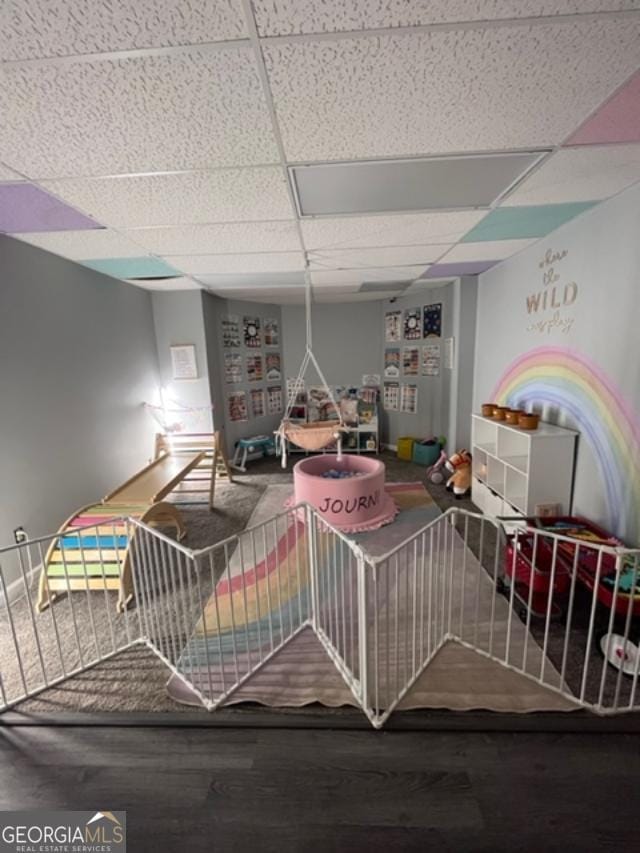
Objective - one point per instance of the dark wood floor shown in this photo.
(218, 790)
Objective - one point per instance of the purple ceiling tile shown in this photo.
(618, 120)
(462, 268)
(25, 208)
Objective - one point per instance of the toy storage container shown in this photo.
(426, 454)
(405, 448)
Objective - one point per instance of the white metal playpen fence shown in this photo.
(558, 611)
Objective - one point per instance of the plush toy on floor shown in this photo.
(435, 473)
(460, 465)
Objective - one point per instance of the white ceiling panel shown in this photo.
(387, 256)
(290, 296)
(238, 281)
(190, 110)
(419, 229)
(229, 238)
(580, 174)
(349, 276)
(507, 78)
(224, 195)
(91, 244)
(286, 17)
(203, 265)
(7, 174)
(31, 29)
(181, 283)
(337, 296)
(488, 250)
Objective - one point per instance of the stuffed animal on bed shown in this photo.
(460, 465)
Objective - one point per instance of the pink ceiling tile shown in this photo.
(618, 120)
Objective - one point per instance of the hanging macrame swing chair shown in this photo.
(317, 435)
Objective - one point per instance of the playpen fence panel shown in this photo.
(61, 622)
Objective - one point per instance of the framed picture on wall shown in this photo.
(409, 399)
(274, 399)
(271, 333)
(432, 320)
(412, 320)
(392, 326)
(273, 368)
(391, 396)
(237, 401)
(232, 367)
(411, 361)
(257, 402)
(254, 368)
(231, 331)
(431, 360)
(252, 332)
(183, 361)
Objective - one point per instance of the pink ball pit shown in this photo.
(351, 504)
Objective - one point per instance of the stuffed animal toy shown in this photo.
(460, 465)
(435, 473)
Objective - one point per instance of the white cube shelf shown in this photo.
(515, 470)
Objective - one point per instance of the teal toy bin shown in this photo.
(426, 454)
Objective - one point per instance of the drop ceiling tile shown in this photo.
(323, 89)
(142, 267)
(488, 250)
(221, 239)
(224, 195)
(580, 174)
(80, 245)
(7, 174)
(617, 121)
(338, 297)
(386, 256)
(179, 283)
(32, 29)
(513, 223)
(236, 281)
(352, 276)
(286, 17)
(27, 209)
(419, 229)
(459, 269)
(189, 110)
(202, 265)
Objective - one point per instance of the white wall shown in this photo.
(77, 360)
(592, 377)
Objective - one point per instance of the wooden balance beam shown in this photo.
(98, 558)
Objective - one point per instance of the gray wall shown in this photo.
(346, 340)
(603, 261)
(179, 319)
(465, 306)
(77, 360)
(434, 392)
(214, 310)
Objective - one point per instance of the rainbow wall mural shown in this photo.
(567, 380)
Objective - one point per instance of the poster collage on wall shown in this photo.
(252, 367)
(414, 324)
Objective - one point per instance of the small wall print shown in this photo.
(257, 402)
(183, 361)
(237, 402)
(412, 321)
(392, 326)
(411, 361)
(231, 331)
(252, 332)
(391, 396)
(232, 367)
(431, 360)
(274, 399)
(273, 368)
(254, 368)
(392, 363)
(271, 333)
(432, 320)
(409, 399)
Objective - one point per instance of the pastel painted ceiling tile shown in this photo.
(486, 250)
(142, 267)
(459, 269)
(618, 120)
(517, 223)
(27, 209)
(584, 173)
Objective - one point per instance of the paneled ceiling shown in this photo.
(165, 142)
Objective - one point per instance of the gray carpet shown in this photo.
(135, 680)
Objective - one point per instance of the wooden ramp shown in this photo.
(213, 466)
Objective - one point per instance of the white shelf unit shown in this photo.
(514, 470)
(361, 433)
